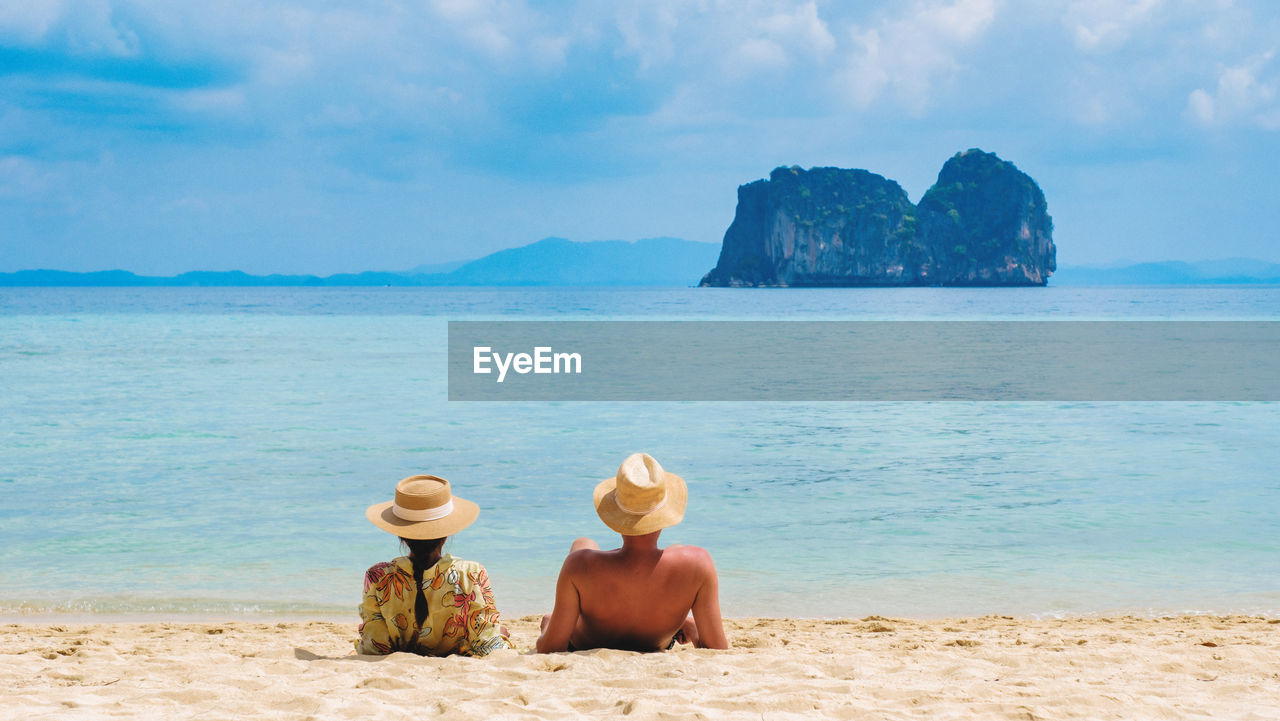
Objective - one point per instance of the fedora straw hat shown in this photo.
(424, 507)
(642, 498)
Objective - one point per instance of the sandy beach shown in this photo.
(993, 667)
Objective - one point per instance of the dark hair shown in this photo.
(423, 554)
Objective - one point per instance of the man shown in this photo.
(638, 597)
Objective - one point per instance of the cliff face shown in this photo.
(983, 223)
(824, 226)
(987, 223)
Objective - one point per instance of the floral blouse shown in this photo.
(461, 614)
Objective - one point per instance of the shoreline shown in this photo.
(9, 624)
(992, 667)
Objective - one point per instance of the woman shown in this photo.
(427, 603)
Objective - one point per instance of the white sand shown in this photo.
(1186, 667)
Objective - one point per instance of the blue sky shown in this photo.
(322, 137)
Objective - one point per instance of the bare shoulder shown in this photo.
(693, 556)
(581, 560)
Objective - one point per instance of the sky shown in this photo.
(321, 137)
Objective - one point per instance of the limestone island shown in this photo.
(984, 223)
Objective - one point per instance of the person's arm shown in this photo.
(488, 635)
(564, 617)
(706, 608)
(374, 636)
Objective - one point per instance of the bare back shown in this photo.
(637, 597)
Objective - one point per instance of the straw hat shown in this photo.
(642, 498)
(423, 508)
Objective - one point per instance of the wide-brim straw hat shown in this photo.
(424, 508)
(641, 498)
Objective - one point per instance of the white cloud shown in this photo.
(735, 37)
(499, 28)
(801, 29)
(960, 21)
(906, 57)
(87, 27)
(755, 54)
(92, 29)
(20, 178)
(1103, 25)
(281, 65)
(867, 75)
(29, 22)
(1094, 111)
(213, 100)
(770, 41)
(648, 28)
(1200, 107)
(1241, 96)
(338, 116)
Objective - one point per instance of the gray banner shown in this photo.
(864, 360)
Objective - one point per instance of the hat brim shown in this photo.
(463, 515)
(638, 524)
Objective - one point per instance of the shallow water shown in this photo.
(212, 451)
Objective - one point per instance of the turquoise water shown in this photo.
(211, 451)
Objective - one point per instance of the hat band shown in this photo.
(636, 512)
(422, 514)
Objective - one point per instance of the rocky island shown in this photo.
(983, 223)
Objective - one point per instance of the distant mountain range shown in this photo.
(647, 262)
(556, 261)
(1230, 271)
(548, 262)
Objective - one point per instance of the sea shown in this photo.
(210, 452)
